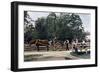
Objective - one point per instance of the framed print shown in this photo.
(52, 36)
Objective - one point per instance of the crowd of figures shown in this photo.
(73, 45)
(55, 45)
(80, 46)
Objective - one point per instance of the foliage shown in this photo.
(60, 25)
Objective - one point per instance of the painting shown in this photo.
(56, 36)
(52, 36)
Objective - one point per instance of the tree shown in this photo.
(76, 27)
(69, 26)
(28, 27)
(41, 28)
(60, 25)
(51, 24)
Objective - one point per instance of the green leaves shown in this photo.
(61, 25)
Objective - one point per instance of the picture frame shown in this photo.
(19, 56)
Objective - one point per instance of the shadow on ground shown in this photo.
(81, 55)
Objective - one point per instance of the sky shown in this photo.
(86, 18)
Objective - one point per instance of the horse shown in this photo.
(39, 42)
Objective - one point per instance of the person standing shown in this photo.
(83, 44)
(67, 44)
(74, 46)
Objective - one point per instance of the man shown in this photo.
(67, 43)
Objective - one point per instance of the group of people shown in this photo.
(74, 45)
(79, 46)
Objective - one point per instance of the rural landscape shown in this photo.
(50, 36)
